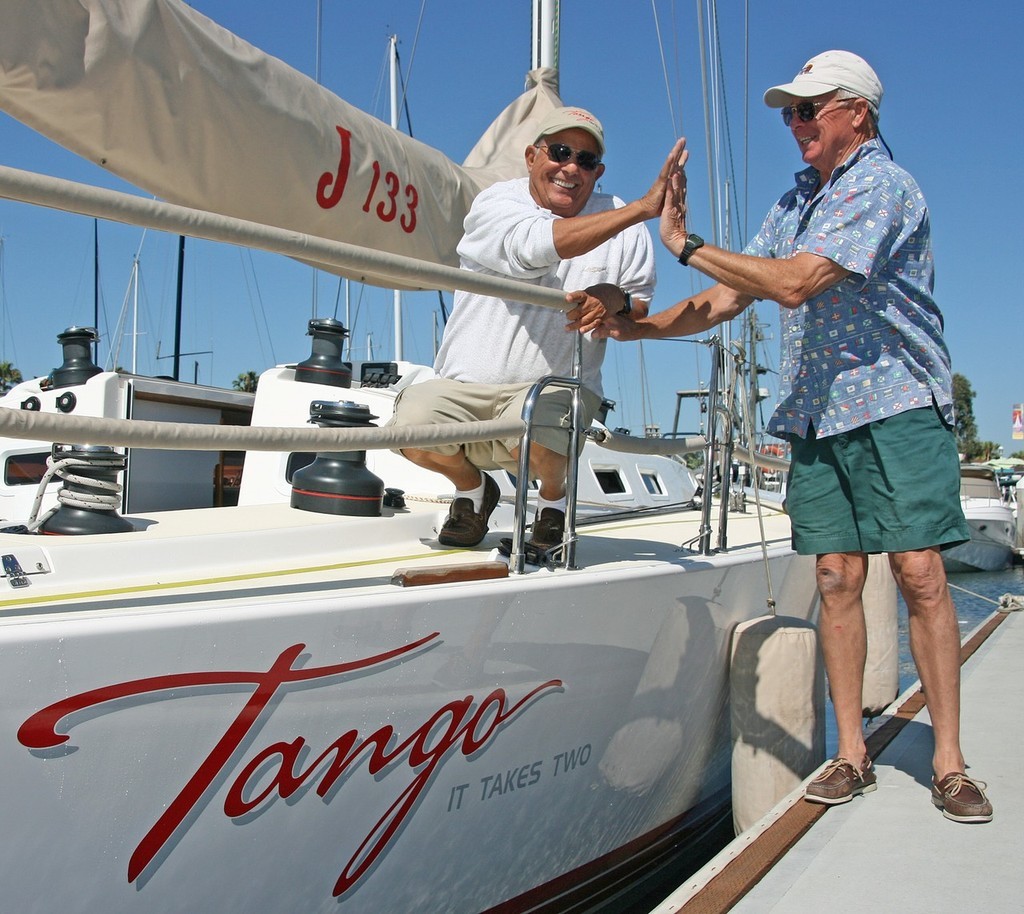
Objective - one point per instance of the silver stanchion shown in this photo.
(517, 556)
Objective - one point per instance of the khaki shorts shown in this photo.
(892, 485)
(441, 400)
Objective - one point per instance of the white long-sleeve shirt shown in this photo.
(492, 340)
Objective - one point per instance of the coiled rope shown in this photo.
(104, 495)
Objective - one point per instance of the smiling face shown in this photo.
(837, 129)
(562, 188)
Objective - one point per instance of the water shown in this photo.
(975, 597)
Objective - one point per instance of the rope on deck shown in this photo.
(1007, 603)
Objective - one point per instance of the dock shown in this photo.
(892, 850)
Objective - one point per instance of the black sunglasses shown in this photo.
(806, 111)
(560, 153)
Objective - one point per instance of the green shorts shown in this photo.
(441, 400)
(892, 485)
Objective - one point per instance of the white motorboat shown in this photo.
(991, 522)
(241, 674)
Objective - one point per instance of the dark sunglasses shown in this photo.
(806, 111)
(560, 153)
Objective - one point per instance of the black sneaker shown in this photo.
(464, 526)
(549, 529)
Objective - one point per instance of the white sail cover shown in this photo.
(165, 98)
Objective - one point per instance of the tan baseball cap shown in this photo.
(567, 118)
(826, 72)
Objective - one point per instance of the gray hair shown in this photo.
(842, 94)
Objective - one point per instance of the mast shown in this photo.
(545, 38)
(348, 317)
(393, 60)
(316, 65)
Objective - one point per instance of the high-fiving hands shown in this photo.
(673, 212)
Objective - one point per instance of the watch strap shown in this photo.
(692, 244)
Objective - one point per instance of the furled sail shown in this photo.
(165, 98)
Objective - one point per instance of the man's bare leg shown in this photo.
(456, 468)
(844, 644)
(935, 646)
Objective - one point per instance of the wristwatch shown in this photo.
(627, 305)
(693, 242)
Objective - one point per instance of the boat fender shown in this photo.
(777, 700)
(653, 747)
(881, 619)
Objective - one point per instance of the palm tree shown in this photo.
(9, 376)
(246, 381)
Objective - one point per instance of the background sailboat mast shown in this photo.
(96, 288)
(135, 315)
(176, 371)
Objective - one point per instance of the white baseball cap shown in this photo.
(826, 72)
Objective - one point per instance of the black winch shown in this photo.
(338, 482)
(325, 365)
(90, 494)
(78, 365)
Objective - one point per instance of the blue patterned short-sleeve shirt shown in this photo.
(871, 345)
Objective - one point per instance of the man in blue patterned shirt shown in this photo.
(866, 382)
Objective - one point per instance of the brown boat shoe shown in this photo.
(464, 526)
(840, 781)
(961, 798)
(548, 529)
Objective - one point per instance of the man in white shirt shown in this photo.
(553, 229)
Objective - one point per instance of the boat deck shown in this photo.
(893, 843)
(267, 548)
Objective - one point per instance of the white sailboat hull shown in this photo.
(238, 708)
(527, 734)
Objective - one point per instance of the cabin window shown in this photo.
(227, 479)
(25, 469)
(610, 481)
(652, 483)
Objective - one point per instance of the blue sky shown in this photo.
(951, 114)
